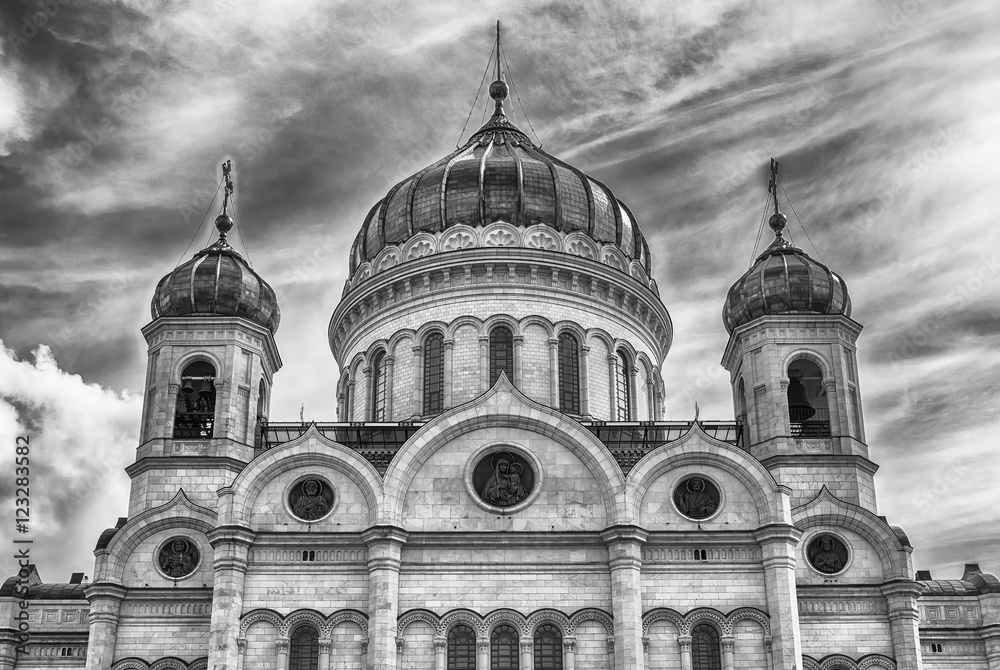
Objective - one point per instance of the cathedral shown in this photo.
(501, 488)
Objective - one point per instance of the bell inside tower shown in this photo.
(808, 411)
(195, 415)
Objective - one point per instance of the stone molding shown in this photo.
(524, 625)
(323, 624)
(836, 661)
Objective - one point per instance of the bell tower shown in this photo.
(792, 360)
(211, 362)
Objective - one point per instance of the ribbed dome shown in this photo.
(784, 280)
(499, 175)
(217, 282)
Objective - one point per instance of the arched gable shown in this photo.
(698, 448)
(178, 513)
(828, 511)
(312, 449)
(500, 407)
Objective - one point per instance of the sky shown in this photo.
(116, 115)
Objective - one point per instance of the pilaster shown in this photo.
(777, 543)
(904, 622)
(385, 545)
(231, 545)
(105, 609)
(625, 561)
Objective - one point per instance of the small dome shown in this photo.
(784, 280)
(499, 175)
(217, 282)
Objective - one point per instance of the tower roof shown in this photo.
(217, 281)
(784, 280)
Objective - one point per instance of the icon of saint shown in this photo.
(311, 505)
(826, 558)
(696, 501)
(504, 487)
(177, 559)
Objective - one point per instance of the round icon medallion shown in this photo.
(828, 554)
(696, 497)
(311, 499)
(178, 557)
(503, 478)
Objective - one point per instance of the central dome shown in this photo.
(499, 175)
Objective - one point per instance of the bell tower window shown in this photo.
(808, 411)
(195, 415)
(379, 379)
(623, 386)
(434, 373)
(569, 374)
(501, 353)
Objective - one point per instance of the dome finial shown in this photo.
(224, 222)
(778, 220)
(498, 89)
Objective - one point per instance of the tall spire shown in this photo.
(498, 89)
(224, 222)
(778, 220)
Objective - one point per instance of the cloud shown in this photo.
(81, 438)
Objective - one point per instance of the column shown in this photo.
(650, 399)
(368, 394)
(554, 373)
(385, 544)
(231, 545)
(625, 560)
(241, 649)
(767, 652)
(569, 653)
(440, 652)
(400, 642)
(838, 422)
(105, 608)
(482, 653)
(584, 380)
(418, 381)
(777, 544)
(390, 364)
(991, 638)
(633, 387)
(349, 414)
(613, 391)
(325, 647)
(449, 358)
(904, 620)
(527, 646)
(728, 642)
(281, 646)
(611, 652)
(518, 359)
(484, 362)
(684, 641)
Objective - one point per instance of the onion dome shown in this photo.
(217, 281)
(784, 280)
(499, 175)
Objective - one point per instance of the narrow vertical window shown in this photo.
(623, 386)
(379, 374)
(303, 652)
(195, 415)
(434, 374)
(569, 373)
(501, 353)
(461, 648)
(548, 648)
(504, 643)
(706, 653)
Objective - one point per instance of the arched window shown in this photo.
(548, 648)
(504, 648)
(379, 375)
(434, 373)
(623, 386)
(705, 650)
(461, 648)
(195, 415)
(501, 353)
(569, 373)
(303, 650)
(808, 411)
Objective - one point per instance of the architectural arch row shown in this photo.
(286, 623)
(843, 662)
(167, 663)
(362, 374)
(724, 623)
(525, 625)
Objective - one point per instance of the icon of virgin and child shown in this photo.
(504, 488)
